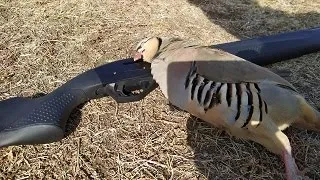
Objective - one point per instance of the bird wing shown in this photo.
(219, 66)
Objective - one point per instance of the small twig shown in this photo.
(98, 133)
(167, 122)
(89, 167)
(152, 162)
(78, 156)
(306, 154)
(129, 117)
(116, 112)
(26, 177)
(2, 176)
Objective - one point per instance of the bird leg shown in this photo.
(292, 171)
(276, 141)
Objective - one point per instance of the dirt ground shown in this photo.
(44, 43)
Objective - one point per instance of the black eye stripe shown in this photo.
(142, 43)
(160, 42)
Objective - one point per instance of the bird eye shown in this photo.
(139, 47)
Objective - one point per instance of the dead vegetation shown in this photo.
(45, 43)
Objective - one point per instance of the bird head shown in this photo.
(147, 49)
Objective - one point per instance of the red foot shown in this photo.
(292, 171)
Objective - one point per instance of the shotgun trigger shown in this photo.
(129, 90)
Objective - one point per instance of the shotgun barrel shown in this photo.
(275, 48)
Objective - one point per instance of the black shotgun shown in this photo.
(26, 121)
(275, 48)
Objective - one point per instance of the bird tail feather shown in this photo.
(310, 116)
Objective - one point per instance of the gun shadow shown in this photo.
(247, 19)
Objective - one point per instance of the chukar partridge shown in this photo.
(246, 100)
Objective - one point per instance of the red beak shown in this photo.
(137, 56)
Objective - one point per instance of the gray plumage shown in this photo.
(245, 99)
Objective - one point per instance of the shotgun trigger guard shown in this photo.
(130, 90)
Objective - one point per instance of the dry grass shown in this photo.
(44, 43)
